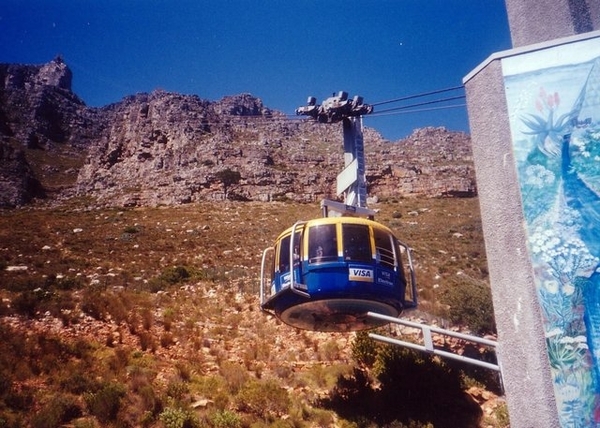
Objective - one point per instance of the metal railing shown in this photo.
(428, 341)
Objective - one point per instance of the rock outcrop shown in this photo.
(166, 148)
(18, 185)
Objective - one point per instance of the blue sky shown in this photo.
(280, 51)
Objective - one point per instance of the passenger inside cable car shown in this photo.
(322, 243)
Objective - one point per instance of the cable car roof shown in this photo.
(337, 220)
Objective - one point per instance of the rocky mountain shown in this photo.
(167, 148)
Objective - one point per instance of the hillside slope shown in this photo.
(156, 309)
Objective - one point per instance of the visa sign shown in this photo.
(360, 274)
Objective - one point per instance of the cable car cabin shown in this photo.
(327, 273)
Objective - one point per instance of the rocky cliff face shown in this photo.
(39, 109)
(45, 130)
(165, 148)
(430, 162)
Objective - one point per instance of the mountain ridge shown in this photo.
(164, 148)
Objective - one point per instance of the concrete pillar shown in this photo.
(521, 350)
(539, 392)
(536, 21)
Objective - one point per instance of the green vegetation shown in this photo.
(471, 304)
(149, 317)
(228, 178)
(393, 386)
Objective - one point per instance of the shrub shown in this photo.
(166, 339)
(321, 418)
(263, 399)
(283, 372)
(429, 389)
(170, 276)
(184, 371)
(27, 303)
(147, 342)
(471, 305)
(106, 403)
(131, 229)
(175, 275)
(18, 398)
(228, 177)
(95, 303)
(501, 415)
(60, 410)
(178, 418)
(177, 389)
(225, 419)
(77, 382)
(168, 318)
(330, 351)
(119, 360)
(147, 318)
(150, 402)
(364, 349)
(235, 376)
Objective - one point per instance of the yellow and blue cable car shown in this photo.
(327, 273)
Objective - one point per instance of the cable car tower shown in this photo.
(351, 181)
(328, 274)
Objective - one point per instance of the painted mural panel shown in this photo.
(553, 98)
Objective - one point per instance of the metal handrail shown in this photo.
(427, 338)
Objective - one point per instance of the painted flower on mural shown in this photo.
(537, 181)
(566, 256)
(573, 381)
(538, 176)
(547, 130)
(585, 148)
(563, 305)
(570, 395)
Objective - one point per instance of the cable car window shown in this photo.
(357, 242)
(322, 243)
(384, 248)
(400, 250)
(284, 252)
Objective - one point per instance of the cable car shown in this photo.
(327, 273)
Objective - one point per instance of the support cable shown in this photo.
(424, 94)
(390, 111)
(419, 110)
(458, 97)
